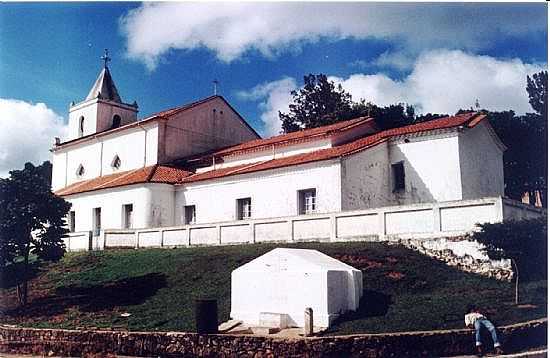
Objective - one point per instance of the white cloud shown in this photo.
(274, 97)
(441, 81)
(232, 29)
(28, 131)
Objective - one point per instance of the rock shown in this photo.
(229, 325)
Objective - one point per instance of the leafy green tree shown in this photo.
(32, 221)
(321, 102)
(525, 243)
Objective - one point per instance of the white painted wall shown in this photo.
(98, 116)
(137, 147)
(432, 168)
(274, 193)
(152, 206)
(481, 165)
(286, 281)
(365, 179)
(271, 153)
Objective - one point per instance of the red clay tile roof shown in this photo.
(150, 174)
(467, 119)
(292, 138)
(165, 174)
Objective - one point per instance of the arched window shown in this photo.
(80, 171)
(116, 121)
(81, 126)
(115, 163)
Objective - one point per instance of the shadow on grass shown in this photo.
(9, 276)
(372, 304)
(125, 292)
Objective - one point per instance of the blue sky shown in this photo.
(438, 57)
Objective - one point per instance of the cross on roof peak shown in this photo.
(106, 58)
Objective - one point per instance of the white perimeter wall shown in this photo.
(481, 163)
(152, 206)
(136, 148)
(432, 168)
(274, 193)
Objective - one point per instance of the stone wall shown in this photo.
(463, 254)
(17, 340)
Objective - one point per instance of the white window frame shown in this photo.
(307, 201)
(244, 208)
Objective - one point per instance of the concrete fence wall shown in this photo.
(418, 221)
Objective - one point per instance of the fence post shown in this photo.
(381, 225)
(253, 231)
(333, 227)
(437, 218)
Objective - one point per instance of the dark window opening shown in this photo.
(97, 221)
(72, 216)
(81, 126)
(80, 171)
(189, 214)
(398, 173)
(115, 164)
(116, 121)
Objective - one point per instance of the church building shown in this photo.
(203, 163)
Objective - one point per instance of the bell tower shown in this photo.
(102, 109)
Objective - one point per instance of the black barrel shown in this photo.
(206, 315)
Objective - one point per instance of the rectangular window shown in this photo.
(97, 221)
(398, 174)
(72, 216)
(189, 214)
(127, 213)
(307, 201)
(244, 208)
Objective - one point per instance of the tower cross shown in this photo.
(216, 83)
(106, 58)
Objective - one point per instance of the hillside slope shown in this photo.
(404, 290)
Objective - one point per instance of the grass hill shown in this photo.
(404, 290)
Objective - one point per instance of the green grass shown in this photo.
(158, 287)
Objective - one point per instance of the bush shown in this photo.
(524, 241)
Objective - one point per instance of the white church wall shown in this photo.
(271, 153)
(59, 170)
(136, 147)
(87, 110)
(365, 179)
(151, 203)
(273, 193)
(481, 164)
(89, 156)
(432, 169)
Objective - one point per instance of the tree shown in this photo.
(32, 221)
(318, 103)
(321, 102)
(537, 88)
(523, 242)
